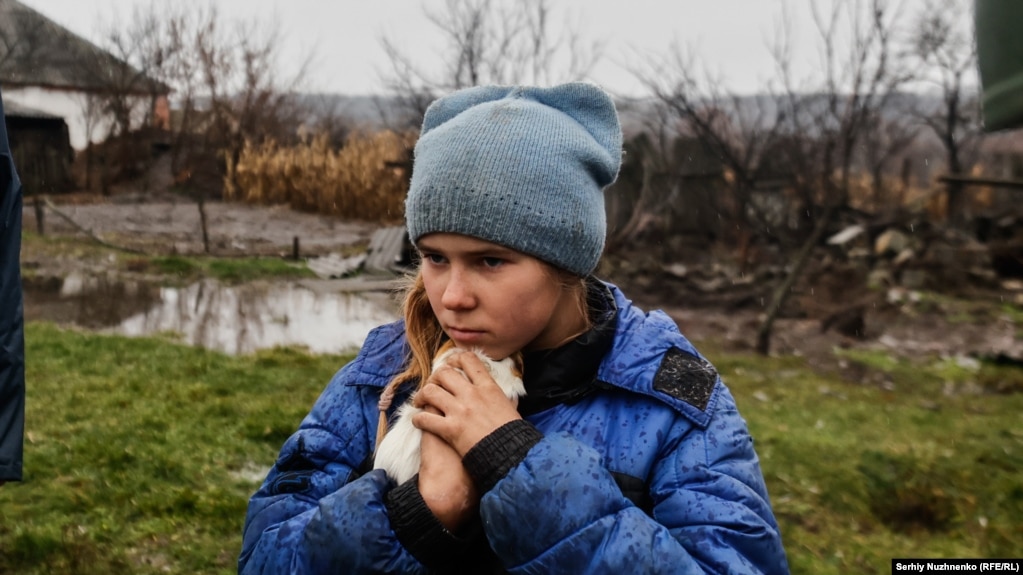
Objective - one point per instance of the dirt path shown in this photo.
(172, 225)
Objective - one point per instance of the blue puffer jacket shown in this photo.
(661, 414)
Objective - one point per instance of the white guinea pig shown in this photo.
(398, 453)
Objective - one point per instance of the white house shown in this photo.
(46, 67)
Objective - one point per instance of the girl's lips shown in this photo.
(465, 336)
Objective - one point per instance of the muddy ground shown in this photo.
(709, 300)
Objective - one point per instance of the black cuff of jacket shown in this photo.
(419, 530)
(493, 457)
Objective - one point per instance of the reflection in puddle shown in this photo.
(89, 301)
(232, 319)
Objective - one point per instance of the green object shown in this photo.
(1000, 59)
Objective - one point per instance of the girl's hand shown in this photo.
(465, 408)
(445, 486)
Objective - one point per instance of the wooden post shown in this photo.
(294, 248)
(37, 203)
(201, 197)
(104, 175)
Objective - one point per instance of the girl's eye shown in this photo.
(434, 258)
(492, 262)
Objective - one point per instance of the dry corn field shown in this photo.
(365, 180)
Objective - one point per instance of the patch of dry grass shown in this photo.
(365, 180)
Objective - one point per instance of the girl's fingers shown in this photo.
(467, 408)
(437, 424)
(427, 421)
(474, 368)
(434, 395)
(449, 378)
(444, 378)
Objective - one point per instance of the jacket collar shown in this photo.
(639, 344)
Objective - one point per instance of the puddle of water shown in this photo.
(232, 319)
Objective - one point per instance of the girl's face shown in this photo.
(491, 297)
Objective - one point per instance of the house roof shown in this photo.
(36, 51)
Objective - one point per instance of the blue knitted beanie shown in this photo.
(522, 167)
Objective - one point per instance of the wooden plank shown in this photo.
(334, 266)
(385, 248)
(966, 180)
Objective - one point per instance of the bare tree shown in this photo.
(410, 90)
(486, 42)
(126, 76)
(741, 131)
(831, 120)
(631, 208)
(226, 85)
(942, 45)
(791, 152)
(125, 94)
(886, 138)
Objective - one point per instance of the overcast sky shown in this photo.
(731, 37)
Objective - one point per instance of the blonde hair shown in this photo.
(425, 335)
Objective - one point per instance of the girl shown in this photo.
(627, 453)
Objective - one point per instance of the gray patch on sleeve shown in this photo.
(687, 377)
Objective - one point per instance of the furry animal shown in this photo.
(398, 453)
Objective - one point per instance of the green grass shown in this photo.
(141, 455)
(227, 270)
(169, 268)
(929, 466)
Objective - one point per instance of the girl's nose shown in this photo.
(458, 293)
